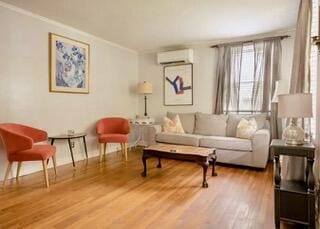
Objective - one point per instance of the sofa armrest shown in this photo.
(260, 147)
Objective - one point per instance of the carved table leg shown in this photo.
(214, 160)
(277, 176)
(310, 178)
(277, 180)
(311, 194)
(144, 161)
(159, 162)
(205, 168)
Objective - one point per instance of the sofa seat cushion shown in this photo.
(226, 143)
(179, 139)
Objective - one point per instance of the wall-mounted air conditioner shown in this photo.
(178, 56)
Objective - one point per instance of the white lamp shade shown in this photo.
(295, 105)
(144, 88)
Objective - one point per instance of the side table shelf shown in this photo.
(294, 200)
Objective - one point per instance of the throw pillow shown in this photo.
(187, 121)
(246, 128)
(172, 126)
(211, 125)
(234, 120)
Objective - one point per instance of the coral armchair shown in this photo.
(113, 130)
(19, 142)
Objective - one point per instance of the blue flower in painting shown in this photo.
(70, 68)
(59, 45)
(74, 48)
(65, 56)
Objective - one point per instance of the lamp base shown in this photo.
(293, 134)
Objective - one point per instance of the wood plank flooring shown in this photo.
(114, 195)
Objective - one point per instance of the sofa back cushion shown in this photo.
(210, 124)
(187, 121)
(234, 119)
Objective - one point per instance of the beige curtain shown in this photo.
(228, 78)
(267, 61)
(293, 167)
(267, 66)
(267, 71)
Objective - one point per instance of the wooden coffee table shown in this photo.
(200, 155)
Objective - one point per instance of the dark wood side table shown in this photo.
(69, 137)
(294, 200)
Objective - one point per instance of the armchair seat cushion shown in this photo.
(37, 152)
(114, 138)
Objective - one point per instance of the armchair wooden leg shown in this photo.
(45, 171)
(105, 150)
(126, 151)
(54, 164)
(7, 173)
(18, 170)
(122, 148)
(101, 151)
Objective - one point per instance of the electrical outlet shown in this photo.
(72, 144)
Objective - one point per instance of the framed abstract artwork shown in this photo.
(69, 65)
(178, 85)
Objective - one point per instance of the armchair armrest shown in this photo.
(36, 135)
(14, 142)
(260, 147)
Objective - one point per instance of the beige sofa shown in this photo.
(219, 132)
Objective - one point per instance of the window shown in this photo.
(247, 82)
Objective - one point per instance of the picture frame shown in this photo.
(69, 63)
(178, 85)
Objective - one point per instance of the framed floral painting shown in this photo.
(69, 65)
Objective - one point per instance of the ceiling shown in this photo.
(144, 25)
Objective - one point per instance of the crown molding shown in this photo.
(59, 24)
(208, 43)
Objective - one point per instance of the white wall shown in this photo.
(204, 68)
(204, 79)
(24, 83)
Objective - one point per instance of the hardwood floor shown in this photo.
(114, 195)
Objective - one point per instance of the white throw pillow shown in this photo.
(246, 128)
(172, 126)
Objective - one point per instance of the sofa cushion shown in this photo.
(187, 120)
(210, 124)
(234, 119)
(179, 139)
(226, 143)
(246, 128)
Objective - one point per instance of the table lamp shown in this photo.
(145, 88)
(294, 106)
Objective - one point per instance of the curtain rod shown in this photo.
(248, 41)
